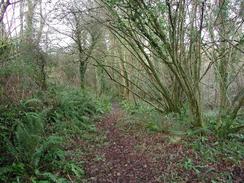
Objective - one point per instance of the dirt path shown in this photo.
(132, 157)
(118, 161)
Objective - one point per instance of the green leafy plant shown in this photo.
(189, 165)
(34, 133)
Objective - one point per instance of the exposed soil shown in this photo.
(131, 157)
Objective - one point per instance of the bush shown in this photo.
(34, 132)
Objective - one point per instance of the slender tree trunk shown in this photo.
(82, 74)
(125, 79)
(237, 103)
(100, 80)
(81, 57)
(222, 65)
(21, 12)
(3, 8)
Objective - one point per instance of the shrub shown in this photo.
(33, 132)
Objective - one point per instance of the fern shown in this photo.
(34, 132)
(29, 135)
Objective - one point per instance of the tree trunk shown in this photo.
(82, 70)
(222, 65)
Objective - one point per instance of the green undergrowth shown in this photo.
(153, 121)
(144, 115)
(180, 123)
(35, 133)
(213, 149)
(217, 158)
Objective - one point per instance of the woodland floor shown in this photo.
(125, 154)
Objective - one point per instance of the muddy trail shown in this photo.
(138, 157)
(119, 160)
(130, 157)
